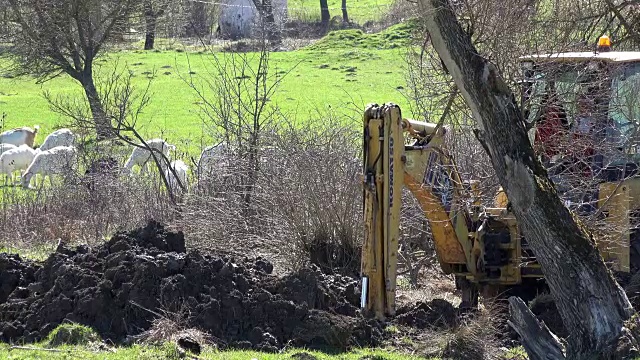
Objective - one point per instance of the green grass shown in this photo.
(74, 341)
(39, 253)
(396, 36)
(325, 77)
(168, 351)
(360, 11)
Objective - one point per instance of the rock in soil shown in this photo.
(120, 287)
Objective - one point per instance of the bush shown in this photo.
(306, 203)
(72, 334)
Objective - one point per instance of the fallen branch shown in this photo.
(539, 342)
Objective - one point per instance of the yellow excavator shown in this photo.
(482, 246)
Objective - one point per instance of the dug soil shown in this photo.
(122, 286)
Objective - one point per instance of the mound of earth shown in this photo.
(120, 287)
(436, 313)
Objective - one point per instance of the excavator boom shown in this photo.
(389, 165)
(383, 181)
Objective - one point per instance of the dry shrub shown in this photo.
(305, 206)
(77, 210)
(416, 249)
(316, 194)
(477, 337)
(165, 329)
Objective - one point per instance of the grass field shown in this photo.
(73, 341)
(169, 352)
(341, 73)
(359, 11)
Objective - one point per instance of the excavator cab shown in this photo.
(593, 161)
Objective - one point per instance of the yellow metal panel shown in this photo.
(448, 248)
(500, 200)
(383, 182)
(394, 149)
(614, 244)
(371, 248)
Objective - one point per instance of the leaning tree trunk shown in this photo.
(101, 121)
(592, 305)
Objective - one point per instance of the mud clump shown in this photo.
(436, 313)
(120, 287)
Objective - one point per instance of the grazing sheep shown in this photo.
(61, 137)
(181, 170)
(20, 136)
(59, 160)
(17, 158)
(5, 147)
(211, 158)
(141, 156)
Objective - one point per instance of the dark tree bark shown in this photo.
(538, 341)
(345, 15)
(592, 305)
(152, 11)
(150, 36)
(325, 16)
(101, 120)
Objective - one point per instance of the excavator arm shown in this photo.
(388, 166)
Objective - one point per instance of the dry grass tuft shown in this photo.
(169, 330)
(476, 338)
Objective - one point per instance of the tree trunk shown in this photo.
(103, 126)
(268, 21)
(345, 15)
(325, 16)
(592, 305)
(198, 22)
(150, 34)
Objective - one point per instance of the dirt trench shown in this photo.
(120, 287)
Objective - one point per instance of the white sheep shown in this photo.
(20, 136)
(181, 170)
(141, 156)
(5, 147)
(61, 137)
(59, 160)
(212, 158)
(14, 159)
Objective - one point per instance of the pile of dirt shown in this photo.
(120, 287)
(436, 313)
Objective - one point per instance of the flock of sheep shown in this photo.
(58, 153)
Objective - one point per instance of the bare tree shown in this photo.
(123, 105)
(59, 36)
(592, 305)
(236, 103)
